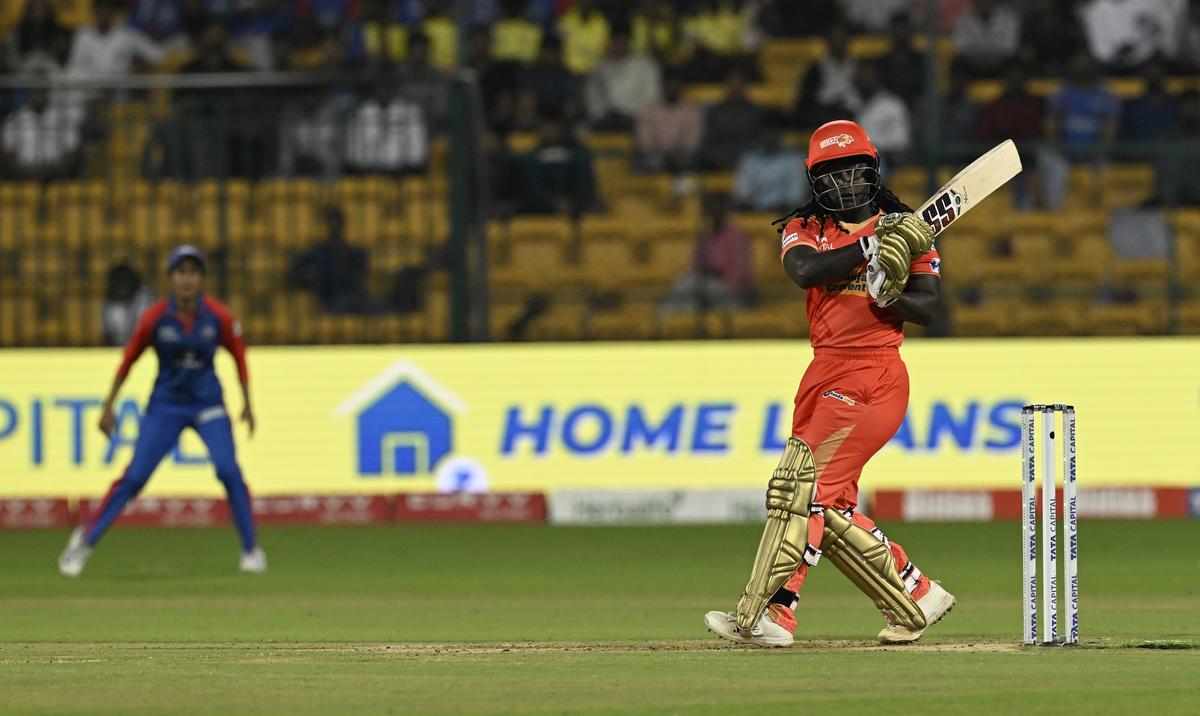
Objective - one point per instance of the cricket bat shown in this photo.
(971, 186)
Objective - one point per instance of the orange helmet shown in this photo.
(837, 139)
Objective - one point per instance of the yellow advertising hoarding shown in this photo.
(655, 415)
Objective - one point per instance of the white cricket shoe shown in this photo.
(936, 604)
(253, 562)
(765, 632)
(75, 555)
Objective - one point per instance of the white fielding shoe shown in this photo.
(75, 555)
(253, 562)
(936, 604)
(765, 633)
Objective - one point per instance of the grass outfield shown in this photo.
(534, 619)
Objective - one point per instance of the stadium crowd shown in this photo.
(681, 80)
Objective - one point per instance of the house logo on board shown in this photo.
(405, 422)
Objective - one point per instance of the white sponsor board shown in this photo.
(654, 507)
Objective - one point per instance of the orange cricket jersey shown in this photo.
(842, 314)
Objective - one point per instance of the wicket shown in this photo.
(1050, 543)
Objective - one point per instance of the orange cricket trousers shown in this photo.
(849, 405)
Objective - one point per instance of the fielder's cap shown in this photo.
(836, 140)
(187, 251)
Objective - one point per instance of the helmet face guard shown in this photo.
(845, 184)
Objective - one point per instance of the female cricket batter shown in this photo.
(185, 329)
(868, 264)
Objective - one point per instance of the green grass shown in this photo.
(534, 619)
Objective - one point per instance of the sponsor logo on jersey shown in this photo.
(936, 266)
(837, 396)
(208, 333)
(842, 140)
(168, 334)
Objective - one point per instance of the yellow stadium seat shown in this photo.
(995, 317)
(364, 203)
(18, 320)
(1140, 318)
(562, 321)
(76, 213)
(287, 211)
(1187, 257)
(1187, 317)
(606, 263)
(501, 316)
(618, 142)
(18, 213)
(681, 325)
(632, 320)
(667, 259)
(221, 209)
(1140, 270)
(1053, 318)
(557, 229)
(770, 320)
(1085, 258)
(534, 264)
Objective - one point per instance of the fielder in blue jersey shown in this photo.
(185, 330)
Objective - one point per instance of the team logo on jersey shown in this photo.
(837, 396)
(842, 140)
(936, 266)
(168, 334)
(208, 333)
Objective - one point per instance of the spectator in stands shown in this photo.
(499, 82)
(1151, 115)
(109, 47)
(49, 61)
(948, 12)
(125, 297)
(622, 85)
(504, 175)
(731, 125)
(902, 67)
(1186, 58)
(1081, 123)
(655, 31)
(718, 32)
(1176, 173)
(378, 38)
(557, 175)
(423, 84)
(1123, 35)
(334, 270)
(668, 131)
(770, 176)
(548, 87)
(42, 140)
(874, 16)
(788, 18)
(170, 23)
(1050, 36)
(986, 37)
(584, 31)
(386, 134)
(960, 113)
(1017, 115)
(237, 128)
(514, 37)
(721, 272)
(212, 54)
(39, 27)
(827, 91)
(883, 115)
(442, 30)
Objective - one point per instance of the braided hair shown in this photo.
(813, 211)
